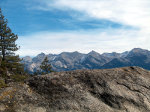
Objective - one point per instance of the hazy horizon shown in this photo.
(81, 52)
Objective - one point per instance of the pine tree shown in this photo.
(45, 66)
(13, 64)
(9, 61)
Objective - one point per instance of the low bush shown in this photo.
(2, 83)
(18, 78)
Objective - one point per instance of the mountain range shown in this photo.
(67, 61)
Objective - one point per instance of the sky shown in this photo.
(55, 26)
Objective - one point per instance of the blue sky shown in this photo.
(54, 26)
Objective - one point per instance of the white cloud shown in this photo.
(128, 12)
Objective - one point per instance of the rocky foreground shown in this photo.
(110, 90)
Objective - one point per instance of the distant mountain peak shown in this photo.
(138, 50)
(66, 61)
(41, 54)
(27, 59)
(93, 53)
(76, 52)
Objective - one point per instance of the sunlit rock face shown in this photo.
(108, 90)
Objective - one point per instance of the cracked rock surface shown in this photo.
(110, 90)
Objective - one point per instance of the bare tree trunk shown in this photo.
(3, 50)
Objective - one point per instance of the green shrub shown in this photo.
(18, 78)
(2, 83)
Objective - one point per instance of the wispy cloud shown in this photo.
(131, 12)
